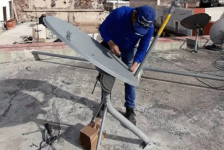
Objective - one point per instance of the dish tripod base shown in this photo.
(107, 81)
(198, 29)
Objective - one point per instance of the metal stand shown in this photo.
(107, 81)
(196, 40)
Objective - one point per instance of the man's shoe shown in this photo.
(130, 115)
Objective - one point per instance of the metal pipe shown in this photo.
(196, 41)
(58, 55)
(105, 98)
(128, 124)
(172, 9)
(185, 73)
(144, 68)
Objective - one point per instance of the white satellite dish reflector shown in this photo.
(217, 36)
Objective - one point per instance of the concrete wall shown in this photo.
(90, 17)
(66, 4)
(216, 13)
(110, 5)
(136, 3)
(178, 16)
(57, 5)
(4, 3)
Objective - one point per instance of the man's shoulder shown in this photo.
(151, 29)
(123, 10)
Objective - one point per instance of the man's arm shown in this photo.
(143, 46)
(107, 24)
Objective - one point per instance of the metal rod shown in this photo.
(196, 41)
(128, 124)
(172, 9)
(105, 98)
(97, 111)
(185, 73)
(58, 55)
(144, 68)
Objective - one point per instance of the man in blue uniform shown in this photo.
(123, 28)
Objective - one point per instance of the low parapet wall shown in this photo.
(23, 52)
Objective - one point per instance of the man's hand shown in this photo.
(114, 48)
(133, 67)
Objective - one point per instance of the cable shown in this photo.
(218, 64)
(215, 64)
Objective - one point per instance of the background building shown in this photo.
(174, 27)
(6, 11)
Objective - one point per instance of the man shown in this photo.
(121, 31)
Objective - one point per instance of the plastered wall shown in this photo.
(68, 10)
(66, 4)
(4, 3)
(178, 15)
(85, 18)
(136, 3)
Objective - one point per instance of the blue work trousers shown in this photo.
(127, 57)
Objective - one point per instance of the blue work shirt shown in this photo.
(118, 27)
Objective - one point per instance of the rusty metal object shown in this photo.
(10, 24)
(89, 135)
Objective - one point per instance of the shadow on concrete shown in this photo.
(21, 107)
(182, 83)
(123, 139)
(33, 24)
(16, 89)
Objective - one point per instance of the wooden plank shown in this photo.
(14, 10)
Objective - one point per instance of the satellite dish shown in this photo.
(90, 49)
(197, 22)
(217, 36)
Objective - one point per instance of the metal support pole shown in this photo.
(107, 81)
(222, 46)
(35, 53)
(172, 9)
(196, 41)
(105, 98)
(185, 73)
(128, 124)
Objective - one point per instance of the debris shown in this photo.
(33, 145)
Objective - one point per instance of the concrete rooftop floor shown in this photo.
(176, 112)
(25, 29)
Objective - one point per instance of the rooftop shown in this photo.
(177, 112)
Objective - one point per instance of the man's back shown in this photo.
(118, 28)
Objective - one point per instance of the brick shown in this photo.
(33, 45)
(17, 48)
(4, 49)
(57, 43)
(20, 45)
(6, 46)
(58, 46)
(44, 47)
(45, 44)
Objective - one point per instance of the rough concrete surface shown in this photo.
(26, 29)
(19, 32)
(176, 112)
